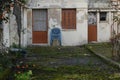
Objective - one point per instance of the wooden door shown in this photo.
(92, 27)
(40, 32)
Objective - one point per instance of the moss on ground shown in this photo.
(102, 48)
(73, 73)
(58, 51)
(94, 69)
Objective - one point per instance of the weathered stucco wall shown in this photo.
(6, 32)
(10, 31)
(80, 35)
(54, 20)
(6, 40)
(57, 3)
(99, 4)
(54, 7)
(104, 28)
(72, 37)
(24, 29)
(13, 30)
(29, 27)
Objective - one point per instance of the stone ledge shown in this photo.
(105, 58)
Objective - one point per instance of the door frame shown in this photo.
(46, 27)
(94, 25)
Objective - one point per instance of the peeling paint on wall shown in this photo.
(54, 17)
(92, 18)
(29, 26)
(81, 15)
(57, 3)
(54, 8)
(99, 4)
(13, 30)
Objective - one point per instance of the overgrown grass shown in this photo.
(59, 51)
(102, 48)
(94, 69)
(73, 73)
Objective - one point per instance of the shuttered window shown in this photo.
(68, 18)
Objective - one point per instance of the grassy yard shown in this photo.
(104, 49)
(69, 63)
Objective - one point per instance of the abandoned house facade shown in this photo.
(79, 21)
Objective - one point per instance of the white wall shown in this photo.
(57, 3)
(69, 37)
(104, 28)
(78, 36)
(24, 27)
(6, 37)
(13, 29)
(74, 37)
(29, 27)
(13, 35)
(54, 7)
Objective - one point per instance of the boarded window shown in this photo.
(40, 20)
(68, 18)
(92, 18)
(103, 16)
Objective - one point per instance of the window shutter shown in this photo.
(69, 18)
